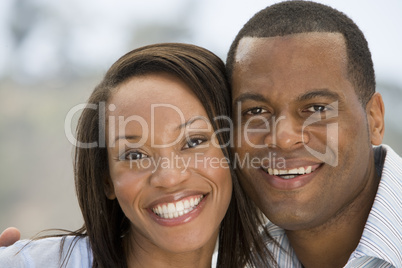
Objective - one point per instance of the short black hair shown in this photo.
(292, 17)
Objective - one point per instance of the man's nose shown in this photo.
(286, 133)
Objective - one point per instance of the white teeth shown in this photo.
(177, 209)
(171, 208)
(308, 170)
(294, 171)
(186, 204)
(179, 206)
(291, 173)
(288, 177)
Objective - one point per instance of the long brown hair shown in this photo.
(105, 223)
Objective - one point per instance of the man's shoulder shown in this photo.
(47, 252)
(391, 160)
(387, 201)
(392, 163)
(382, 234)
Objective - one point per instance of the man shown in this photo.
(305, 105)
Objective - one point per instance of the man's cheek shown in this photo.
(323, 143)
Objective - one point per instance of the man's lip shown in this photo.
(293, 183)
(170, 198)
(289, 163)
(300, 168)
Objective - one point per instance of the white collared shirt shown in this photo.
(46, 253)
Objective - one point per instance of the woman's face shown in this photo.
(166, 168)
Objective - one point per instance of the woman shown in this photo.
(152, 174)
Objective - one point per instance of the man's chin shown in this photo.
(293, 224)
(292, 219)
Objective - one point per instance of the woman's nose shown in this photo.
(169, 172)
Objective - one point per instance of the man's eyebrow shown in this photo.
(249, 96)
(191, 121)
(319, 93)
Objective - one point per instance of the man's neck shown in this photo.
(331, 244)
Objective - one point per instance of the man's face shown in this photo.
(297, 114)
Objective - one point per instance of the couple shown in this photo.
(305, 115)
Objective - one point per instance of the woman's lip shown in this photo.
(181, 219)
(290, 184)
(174, 198)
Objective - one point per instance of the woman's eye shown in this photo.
(193, 142)
(135, 156)
(317, 108)
(255, 111)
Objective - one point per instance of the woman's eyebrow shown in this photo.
(191, 121)
(128, 137)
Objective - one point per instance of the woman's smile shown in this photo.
(178, 208)
(180, 212)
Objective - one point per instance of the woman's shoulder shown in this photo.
(48, 252)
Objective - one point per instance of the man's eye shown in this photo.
(193, 142)
(317, 108)
(255, 111)
(135, 156)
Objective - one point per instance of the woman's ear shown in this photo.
(109, 189)
(375, 117)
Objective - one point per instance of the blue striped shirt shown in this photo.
(381, 243)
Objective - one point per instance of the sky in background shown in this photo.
(93, 33)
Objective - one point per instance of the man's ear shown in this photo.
(109, 189)
(375, 117)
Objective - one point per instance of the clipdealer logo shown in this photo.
(116, 127)
(330, 156)
(266, 126)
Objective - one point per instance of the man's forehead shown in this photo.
(248, 46)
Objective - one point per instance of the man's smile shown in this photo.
(292, 178)
(291, 173)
